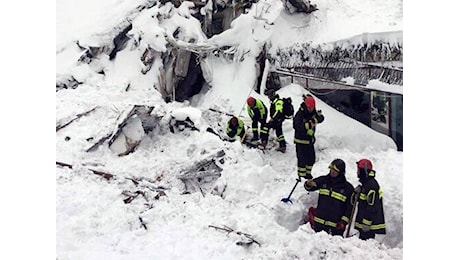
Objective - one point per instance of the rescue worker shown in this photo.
(276, 120)
(370, 219)
(235, 127)
(334, 201)
(258, 113)
(305, 121)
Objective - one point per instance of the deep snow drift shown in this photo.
(92, 220)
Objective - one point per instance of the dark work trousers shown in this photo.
(278, 126)
(330, 230)
(255, 129)
(366, 235)
(305, 158)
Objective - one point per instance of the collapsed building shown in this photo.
(182, 68)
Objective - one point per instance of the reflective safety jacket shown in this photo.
(305, 124)
(258, 112)
(370, 206)
(276, 109)
(235, 131)
(334, 201)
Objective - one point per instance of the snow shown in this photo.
(92, 222)
(89, 219)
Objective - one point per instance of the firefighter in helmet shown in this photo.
(370, 219)
(276, 120)
(235, 127)
(258, 113)
(304, 123)
(334, 201)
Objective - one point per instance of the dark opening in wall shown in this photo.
(192, 83)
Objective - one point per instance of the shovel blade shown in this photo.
(286, 200)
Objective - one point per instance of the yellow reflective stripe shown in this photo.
(300, 141)
(334, 194)
(250, 112)
(263, 130)
(380, 193)
(371, 173)
(254, 129)
(281, 138)
(372, 227)
(324, 222)
(301, 171)
(371, 197)
(319, 220)
(367, 222)
(345, 218)
(333, 166)
(339, 196)
(362, 196)
(330, 223)
(278, 107)
(324, 192)
(376, 227)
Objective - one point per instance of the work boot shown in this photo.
(281, 149)
(262, 145)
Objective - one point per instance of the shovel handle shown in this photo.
(293, 188)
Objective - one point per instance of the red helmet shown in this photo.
(310, 102)
(251, 101)
(234, 121)
(365, 164)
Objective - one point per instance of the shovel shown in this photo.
(288, 199)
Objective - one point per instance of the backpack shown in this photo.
(288, 108)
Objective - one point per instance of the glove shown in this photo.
(310, 132)
(365, 228)
(341, 225)
(310, 183)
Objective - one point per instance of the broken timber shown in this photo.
(247, 239)
(105, 175)
(60, 126)
(202, 172)
(135, 110)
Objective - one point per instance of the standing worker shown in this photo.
(370, 219)
(276, 120)
(258, 113)
(305, 121)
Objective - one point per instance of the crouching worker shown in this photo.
(334, 201)
(235, 127)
